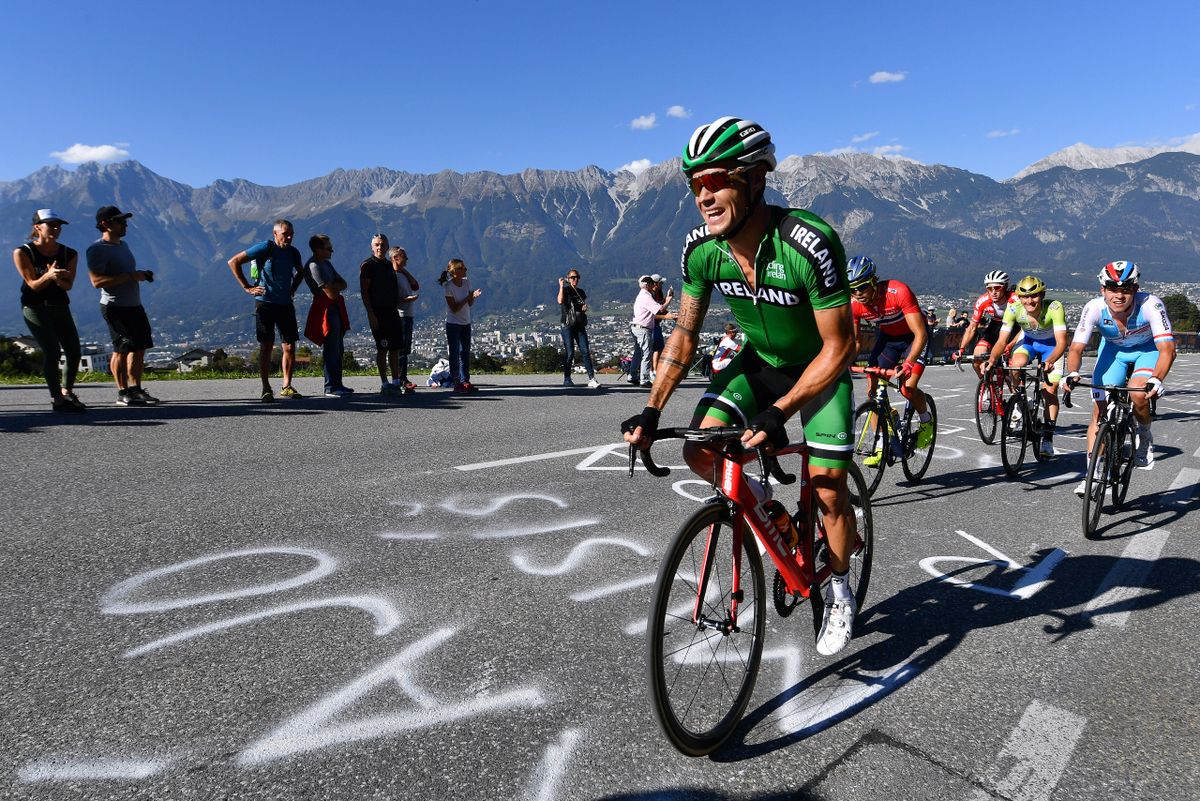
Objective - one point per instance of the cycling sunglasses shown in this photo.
(1113, 286)
(713, 181)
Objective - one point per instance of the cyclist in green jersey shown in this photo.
(1044, 324)
(782, 272)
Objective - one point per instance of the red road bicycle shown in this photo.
(708, 615)
(989, 398)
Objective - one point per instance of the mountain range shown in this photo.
(937, 227)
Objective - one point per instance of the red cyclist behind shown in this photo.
(901, 341)
(988, 313)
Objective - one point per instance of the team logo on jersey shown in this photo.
(766, 294)
(777, 271)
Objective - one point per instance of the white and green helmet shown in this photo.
(728, 139)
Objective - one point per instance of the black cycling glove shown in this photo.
(770, 422)
(647, 420)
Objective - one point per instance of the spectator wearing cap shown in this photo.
(47, 270)
(114, 272)
(646, 311)
(931, 317)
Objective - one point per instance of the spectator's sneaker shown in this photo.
(410, 386)
(647, 383)
(1047, 448)
(837, 627)
(631, 380)
(593, 383)
(125, 397)
(290, 392)
(268, 396)
(925, 434)
(145, 396)
(1082, 488)
(64, 406)
(567, 382)
(470, 387)
(874, 459)
(1144, 455)
(462, 387)
(339, 392)
(387, 389)
(74, 400)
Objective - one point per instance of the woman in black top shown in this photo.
(47, 270)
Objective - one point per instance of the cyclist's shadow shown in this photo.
(916, 628)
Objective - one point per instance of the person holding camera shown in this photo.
(114, 272)
(573, 301)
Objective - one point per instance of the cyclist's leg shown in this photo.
(828, 423)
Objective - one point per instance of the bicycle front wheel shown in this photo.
(702, 665)
(987, 410)
(1013, 434)
(862, 552)
(1122, 457)
(1099, 471)
(872, 445)
(917, 455)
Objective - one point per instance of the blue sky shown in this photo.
(281, 92)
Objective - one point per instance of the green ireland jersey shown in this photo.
(1051, 317)
(800, 268)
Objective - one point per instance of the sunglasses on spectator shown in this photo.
(713, 181)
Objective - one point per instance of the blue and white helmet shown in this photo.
(1121, 273)
(860, 270)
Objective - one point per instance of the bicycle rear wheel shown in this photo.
(702, 672)
(915, 459)
(1014, 434)
(871, 441)
(1099, 471)
(862, 555)
(987, 410)
(1122, 458)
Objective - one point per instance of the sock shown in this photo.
(840, 587)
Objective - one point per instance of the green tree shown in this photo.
(16, 362)
(1184, 314)
(546, 359)
(486, 363)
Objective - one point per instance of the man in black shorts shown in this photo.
(275, 273)
(114, 272)
(381, 294)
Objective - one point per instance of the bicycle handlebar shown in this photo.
(1112, 387)
(724, 439)
(879, 371)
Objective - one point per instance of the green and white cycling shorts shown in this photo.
(749, 385)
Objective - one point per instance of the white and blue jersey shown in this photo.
(1133, 345)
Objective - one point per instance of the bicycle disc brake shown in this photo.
(785, 602)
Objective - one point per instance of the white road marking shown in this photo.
(69, 770)
(528, 531)
(1036, 754)
(537, 457)
(574, 558)
(553, 766)
(385, 614)
(612, 589)
(1034, 579)
(1124, 581)
(1186, 480)
(115, 603)
(403, 535)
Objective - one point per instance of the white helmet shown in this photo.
(996, 277)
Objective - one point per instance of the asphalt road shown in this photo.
(443, 597)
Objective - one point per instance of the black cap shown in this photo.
(109, 213)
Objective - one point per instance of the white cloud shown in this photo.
(1002, 134)
(637, 166)
(839, 151)
(864, 137)
(1190, 107)
(888, 150)
(887, 77)
(78, 154)
(678, 112)
(644, 123)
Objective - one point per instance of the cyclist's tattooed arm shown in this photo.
(677, 354)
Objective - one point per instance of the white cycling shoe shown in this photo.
(837, 627)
